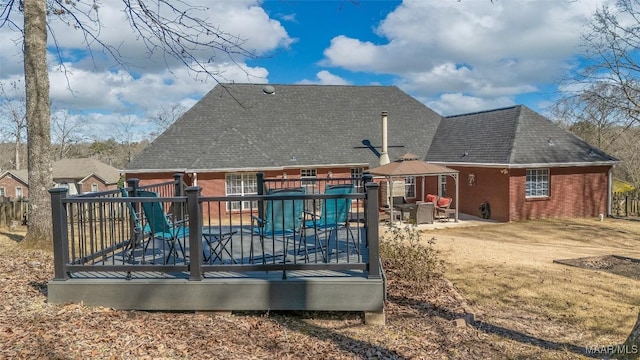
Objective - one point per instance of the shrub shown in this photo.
(405, 254)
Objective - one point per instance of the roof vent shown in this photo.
(268, 89)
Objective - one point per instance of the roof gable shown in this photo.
(239, 126)
(510, 136)
(20, 175)
(78, 169)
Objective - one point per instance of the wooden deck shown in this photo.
(101, 261)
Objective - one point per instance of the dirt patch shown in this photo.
(614, 264)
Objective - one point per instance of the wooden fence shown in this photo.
(626, 204)
(13, 211)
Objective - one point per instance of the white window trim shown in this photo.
(244, 177)
(539, 178)
(3, 191)
(410, 187)
(356, 173)
(21, 195)
(94, 188)
(442, 185)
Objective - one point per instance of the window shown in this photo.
(3, 192)
(442, 185)
(19, 192)
(537, 183)
(94, 187)
(410, 187)
(308, 174)
(241, 184)
(356, 175)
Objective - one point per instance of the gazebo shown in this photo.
(410, 165)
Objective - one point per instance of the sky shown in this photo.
(455, 56)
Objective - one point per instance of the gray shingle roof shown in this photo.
(76, 169)
(239, 126)
(510, 136)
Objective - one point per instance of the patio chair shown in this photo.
(282, 219)
(160, 226)
(442, 208)
(334, 214)
(141, 234)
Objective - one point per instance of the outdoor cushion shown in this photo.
(444, 202)
(431, 198)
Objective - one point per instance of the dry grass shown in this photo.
(526, 306)
(506, 272)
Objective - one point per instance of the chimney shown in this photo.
(384, 156)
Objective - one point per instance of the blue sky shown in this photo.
(454, 56)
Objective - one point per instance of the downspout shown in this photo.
(384, 156)
(194, 176)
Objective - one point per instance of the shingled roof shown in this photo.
(75, 169)
(78, 169)
(513, 136)
(253, 126)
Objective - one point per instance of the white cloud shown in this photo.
(457, 103)
(324, 77)
(489, 52)
(93, 88)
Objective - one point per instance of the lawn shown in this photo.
(507, 274)
(526, 306)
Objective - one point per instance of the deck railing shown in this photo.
(110, 234)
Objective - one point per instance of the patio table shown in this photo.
(217, 242)
(404, 208)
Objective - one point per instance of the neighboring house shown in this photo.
(14, 184)
(78, 175)
(237, 130)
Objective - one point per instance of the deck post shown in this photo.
(194, 209)
(178, 209)
(134, 184)
(371, 220)
(60, 238)
(260, 184)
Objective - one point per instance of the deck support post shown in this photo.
(60, 233)
(376, 318)
(371, 221)
(194, 208)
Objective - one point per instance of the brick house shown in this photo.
(14, 184)
(78, 175)
(298, 131)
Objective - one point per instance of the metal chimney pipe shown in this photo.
(384, 156)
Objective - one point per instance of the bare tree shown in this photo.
(13, 119)
(124, 130)
(612, 74)
(172, 28)
(66, 131)
(165, 117)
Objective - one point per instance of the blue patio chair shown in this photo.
(334, 215)
(160, 226)
(141, 233)
(282, 218)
